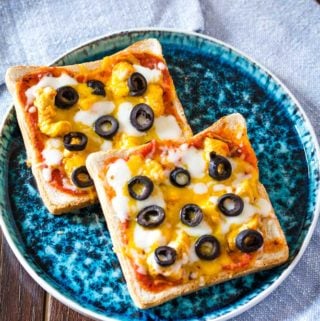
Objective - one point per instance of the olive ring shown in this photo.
(66, 97)
(75, 141)
(110, 122)
(165, 255)
(219, 168)
(140, 187)
(249, 240)
(191, 215)
(236, 207)
(207, 247)
(137, 84)
(151, 216)
(81, 178)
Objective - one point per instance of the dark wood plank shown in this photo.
(21, 299)
(57, 311)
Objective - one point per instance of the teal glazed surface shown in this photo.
(73, 253)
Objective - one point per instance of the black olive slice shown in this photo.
(219, 167)
(137, 84)
(106, 126)
(230, 204)
(207, 247)
(165, 255)
(75, 141)
(151, 216)
(97, 86)
(140, 187)
(66, 97)
(249, 240)
(180, 177)
(142, 117)
(81, 178)
(191, 215)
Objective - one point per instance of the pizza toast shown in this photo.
(167, 247)
(103, 94)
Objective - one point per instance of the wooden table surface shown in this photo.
(22, 299)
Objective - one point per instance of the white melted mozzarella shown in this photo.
(105, 146)
(173, 270)
(145, 238)
(120, 206)
(193, 257)
(264, 206)
(219, 187)
(199, 188)
(213, 199)
(167, 127)
(117, 177)
(151, 75)
(194, 161)
(67, 185)
(49, 81)
(189, 157)
(123, 117)
(47, 174)
(52, 157)
(98, 109)
(261, 207)
(201, 229)
(52, 153)
(240, 177)
(161, 66)
(174, 156)
(156, 198)
(32, 109)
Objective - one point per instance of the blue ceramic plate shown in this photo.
(71, 256)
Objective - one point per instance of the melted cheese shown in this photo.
(123, 116)
(52, 153)
(105, 146)
(203, 191)
(248, 212)
(57, 122)
(147, 238)
(151, 75)
(98, 109)
(49, 81)
(117, 177)
(47, 114)
(156, 198)
(167, 127)
(201, 229)
(47, 174)
(199, 188)
(194, 161)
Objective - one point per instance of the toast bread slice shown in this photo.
(230, 129)
(57, 201)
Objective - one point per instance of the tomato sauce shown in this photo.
(157, 284)
(57, 177)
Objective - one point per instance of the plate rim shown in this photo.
(246, 306)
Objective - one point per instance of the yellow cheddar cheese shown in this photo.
(47, 120)
(81, 117)
(205, 192)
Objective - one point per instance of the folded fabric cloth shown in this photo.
(282, 35)
(36, 32)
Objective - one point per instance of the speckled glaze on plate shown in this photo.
(71, 256)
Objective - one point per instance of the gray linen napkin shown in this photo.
(36, 32)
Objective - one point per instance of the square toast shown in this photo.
(104, 109)
(187, 214)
